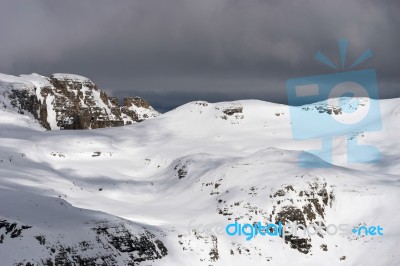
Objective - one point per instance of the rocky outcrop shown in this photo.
(66, 101)
(303, 207)
(61, 234)
(114, 241)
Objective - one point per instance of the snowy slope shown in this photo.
(55, 232)
(187, 174)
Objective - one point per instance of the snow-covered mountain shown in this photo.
(162, 192)
(67, 101)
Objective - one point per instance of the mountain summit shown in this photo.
(67, 101)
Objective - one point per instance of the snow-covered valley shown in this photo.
(161, 192)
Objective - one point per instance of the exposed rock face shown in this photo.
(61, 234)
(114, 241)
(233, 112)
(66, 101)
(303, 207)
(304, 204)
(135, 101)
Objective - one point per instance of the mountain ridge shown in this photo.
(68, 101)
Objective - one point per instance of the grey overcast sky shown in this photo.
(174, 51)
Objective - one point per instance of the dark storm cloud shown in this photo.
(174, 51)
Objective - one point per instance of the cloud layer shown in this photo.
(180, 50)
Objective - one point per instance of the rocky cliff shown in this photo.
(66, 101)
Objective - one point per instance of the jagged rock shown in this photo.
(233, 110)
(66, 101)
(335, 110)
(114, 239)
(136, 101)
(309, 208)
(11, 229)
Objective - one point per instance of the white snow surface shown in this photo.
(238, 161)
(71, 77)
